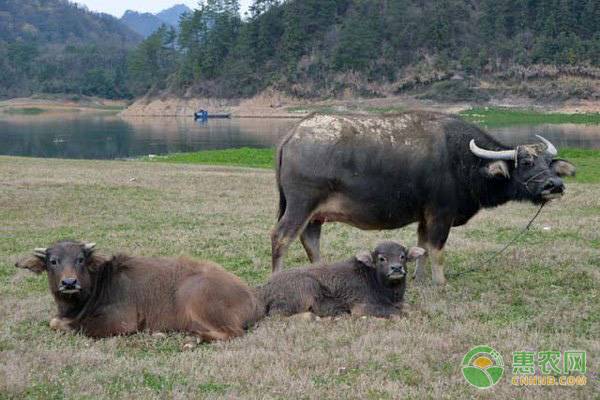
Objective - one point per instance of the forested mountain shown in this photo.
(55, 46)
(369, 47)
(445, 49)
(146, 23)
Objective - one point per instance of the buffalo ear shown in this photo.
(562, 168)
(496, 169)
(364, 257)
(33, 263)
(88, 249)
(415, 252)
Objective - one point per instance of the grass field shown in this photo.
(498, 116)
(543, 294)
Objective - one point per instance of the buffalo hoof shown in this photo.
(190, 343)
(60, 324)
(307, 316)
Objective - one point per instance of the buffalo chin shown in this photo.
(547, 195)
(395, 277)
(69, 291)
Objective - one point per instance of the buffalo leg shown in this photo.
(421, 261)
(287, 229)
(437, 234)
(310, 239)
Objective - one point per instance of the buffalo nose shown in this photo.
(397, 268)
(554, 185)
(67, 282)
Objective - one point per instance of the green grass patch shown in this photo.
(500, 116)
(24, 111)
(587, 162)
(242, 157)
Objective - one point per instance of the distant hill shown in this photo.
(146, 23)
(53, 21)
(171, 15)
(142, 23)
(56, 46)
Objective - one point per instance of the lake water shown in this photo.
(110, 136)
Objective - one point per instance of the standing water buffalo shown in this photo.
(372, 283)
(121, 295)
(387, 172)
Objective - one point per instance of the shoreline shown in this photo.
(275, 105)
(271, 104)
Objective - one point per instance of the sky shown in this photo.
(118, 7)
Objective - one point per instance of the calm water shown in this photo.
(109, 136)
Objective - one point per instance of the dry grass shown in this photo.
(544, 294)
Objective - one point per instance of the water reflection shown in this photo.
(110, 136)
(563, 135)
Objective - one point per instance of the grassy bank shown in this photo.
(242, 157)
(540, 295)
(36, 105)
(495, 117)
(587, 161)
(23, 111)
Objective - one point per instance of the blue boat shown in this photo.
(204, 115)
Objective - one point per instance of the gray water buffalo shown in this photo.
(371, 283)
(121, 295)
(387, 172)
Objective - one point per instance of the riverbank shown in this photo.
(272, 104)
(60, 104)
(539, 295)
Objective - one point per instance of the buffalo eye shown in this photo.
(80, 260)
(53, 261)
(527, 162)
(381, 259)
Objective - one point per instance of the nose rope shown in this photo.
(477, 266)
(526, 183)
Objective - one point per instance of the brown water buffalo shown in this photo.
(121, 294)
(368, 284)
(387, 172)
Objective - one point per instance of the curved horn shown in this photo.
(491, 155)
(550, 149)
(89, 246)
(40, 252)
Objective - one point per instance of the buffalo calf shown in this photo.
(121, 294)
(367, 284)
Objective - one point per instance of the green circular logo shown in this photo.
(482, 367)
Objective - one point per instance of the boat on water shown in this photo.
(203, 114)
